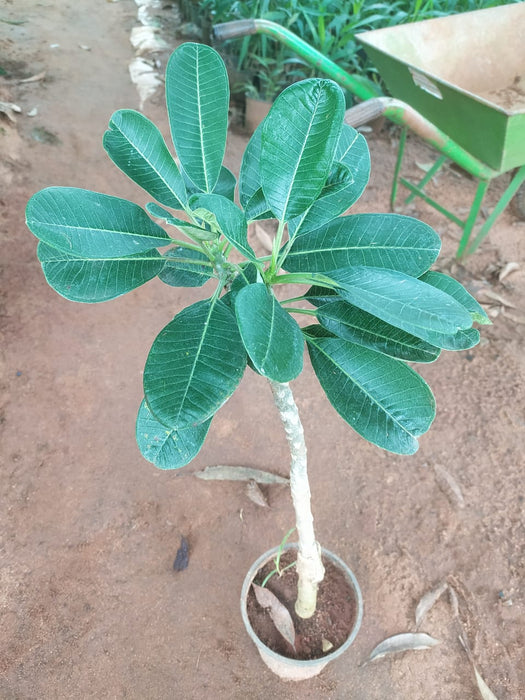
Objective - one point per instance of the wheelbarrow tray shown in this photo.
(465, 73)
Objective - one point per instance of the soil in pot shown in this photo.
(332, 622)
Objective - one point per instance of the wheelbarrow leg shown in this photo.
(397, 169)
(430, 174)
(473, 215)
(505, 198)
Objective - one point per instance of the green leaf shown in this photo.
(194, 365)
(136, 146)
(383, 399)
(180, 268)
(353, 324)
(165, 447)
(230, 219)
(225, 185)
(197, 97)
(352, 153)
(402, 301)
(257, 207)
(270, 335)
(250, 172)
(374, 240)
(456, 290)
(299, 139)
(248, 275)
(188, 229)
(91, 225)
(317, 296)
(91, 281)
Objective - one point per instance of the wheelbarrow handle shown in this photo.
(234, 30)
(356, 84)
(406, 116)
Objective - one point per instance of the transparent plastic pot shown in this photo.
(297, 669)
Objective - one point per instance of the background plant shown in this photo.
(366, 278)
(329, 26)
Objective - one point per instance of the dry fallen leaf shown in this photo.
(255, 494)
(227, 473)
(407, 641)
(449, 486)
(507, 269)
(485, 691)
(428, 601)
(279, 614)
(327, 645)
(34, 78)
(497, 297)
(9, 109)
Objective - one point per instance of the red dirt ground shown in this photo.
(90, 605)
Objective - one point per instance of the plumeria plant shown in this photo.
(375, 305)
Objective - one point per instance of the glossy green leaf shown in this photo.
(250, 172)
(182, 268)
(257, 207)
(194, 365)
(374, 240)
(136, 146)
(383, 399)
(249, 274)
(230, 219)
(402, 301)
(91, 281)
(350, 323)
(351, 152)
(317, 296)
(197, 97)
(165, 447)
(224, 186)
(299, 139)
(91, 225)
(196, 233)
(270, 335)
(459, 293)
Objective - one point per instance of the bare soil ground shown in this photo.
(90, 604)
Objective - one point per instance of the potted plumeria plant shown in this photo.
(375, 305)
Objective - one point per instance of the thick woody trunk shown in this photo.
(310, 568)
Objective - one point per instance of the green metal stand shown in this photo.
(467, 225)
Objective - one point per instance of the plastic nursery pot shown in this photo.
(290, 669)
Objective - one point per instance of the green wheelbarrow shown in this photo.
(458, 82)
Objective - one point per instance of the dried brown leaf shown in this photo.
(279, 614)
(255, 494)
(494, 296)
(485, 692)
(449, 486)
(407, 641)
(428, 601)
(227, 473)
(507, 269)
(34, 78)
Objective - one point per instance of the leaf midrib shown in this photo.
(150, 162)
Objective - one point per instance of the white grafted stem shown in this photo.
(310, 569)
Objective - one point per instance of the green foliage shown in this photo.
(366, 277)
(330, 26)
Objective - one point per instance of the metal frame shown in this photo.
(466, 246)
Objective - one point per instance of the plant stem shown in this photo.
(310, 570)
